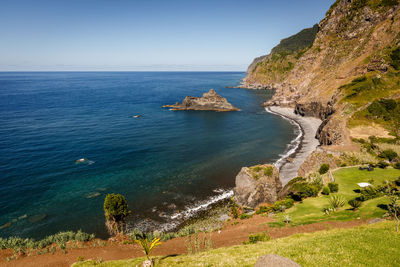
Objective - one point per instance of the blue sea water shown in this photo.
(162, 162)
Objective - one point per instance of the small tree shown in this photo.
(394, 209)
(389, 154)
(324, 168)
(333, 187)
(116, 210)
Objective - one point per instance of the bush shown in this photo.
(336, 202)
(389, 154)
(245, 216)
(326, 190)
(324, 168)
(234, 212)
(370, 192)
(263, 209)
(355, 204)
(333, 187)
(396, 165)
(116, 210)
(254, 238)
(61, 238)
(303, 190)
(397, 182)
(382, 164)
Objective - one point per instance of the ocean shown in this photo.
(166, 163)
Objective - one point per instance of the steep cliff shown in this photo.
(351, 62)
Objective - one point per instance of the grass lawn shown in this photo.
(369, 245)
(310, 210)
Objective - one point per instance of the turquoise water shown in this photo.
(162, 162)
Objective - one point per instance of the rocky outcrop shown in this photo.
(209, 101)
(272, 260)
(257, 184)
(316, 159)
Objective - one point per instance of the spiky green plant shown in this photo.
(146, 244)
(355, 204)
(337, 201)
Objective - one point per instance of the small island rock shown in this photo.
(209, 101)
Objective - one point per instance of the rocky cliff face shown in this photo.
(354, 39)
(257, 184)
(209, 101)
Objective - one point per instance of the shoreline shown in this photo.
(300, 147)
(298, 150)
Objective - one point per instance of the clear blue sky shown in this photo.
(147, 34)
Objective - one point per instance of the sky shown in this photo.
(147, 35)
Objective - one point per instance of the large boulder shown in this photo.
(257, 184)
(272, 260)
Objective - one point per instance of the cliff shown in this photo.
(338, 68)
(209, 101)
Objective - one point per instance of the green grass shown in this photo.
(369, 245)
(310, 210)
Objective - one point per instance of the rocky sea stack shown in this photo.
(209, 101)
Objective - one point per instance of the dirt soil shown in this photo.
(233, 233)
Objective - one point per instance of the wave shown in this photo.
(177, 218)
(293, 145)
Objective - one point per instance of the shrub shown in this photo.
(370, 192)
(303, 190)
(336, 201)
(324, 168)
(333, 187)
(355, 204)
(326, 190)
(397, 182)
(254, 238)
(263, 209)
(268, 171)
(382, 164)
(234, 208)
(245, 216)
(396, 165)
(389, 154)
(316, 180)
(116, 210)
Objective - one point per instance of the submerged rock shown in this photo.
(257, 184)
(6, 225)
(209, 101)
(93, 195)
(37, 218)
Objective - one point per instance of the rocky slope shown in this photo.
(209, 101)
(351, 62)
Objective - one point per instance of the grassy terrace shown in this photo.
(310, 210)
(370, 245)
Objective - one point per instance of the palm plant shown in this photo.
(355, 204)
(146, 244)
(337, 201)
